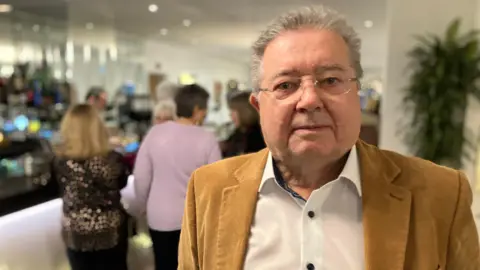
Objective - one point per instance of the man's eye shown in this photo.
(286, 86)
(330, 81)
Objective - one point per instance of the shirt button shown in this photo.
(310, 266)
(311, 214)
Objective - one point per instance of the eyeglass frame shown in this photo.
(352, 79)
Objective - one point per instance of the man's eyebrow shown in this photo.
(286, 72)
(318, 69)
(333, 67)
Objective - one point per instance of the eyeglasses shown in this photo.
(331, 86)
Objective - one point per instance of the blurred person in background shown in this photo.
(319, 197)
(97, 97)
(247, 136)
(90, 176)
(166, 90)
(168, 155)
(165, 110)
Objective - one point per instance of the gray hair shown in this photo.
(166, 90)
(319, 18)
(165, 109)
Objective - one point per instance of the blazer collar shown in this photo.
(236, 213)
(386, 211)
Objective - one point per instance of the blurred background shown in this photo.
(56, 53)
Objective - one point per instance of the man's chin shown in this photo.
(311, 149)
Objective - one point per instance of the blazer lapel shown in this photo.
(236, 213)
(386, 211)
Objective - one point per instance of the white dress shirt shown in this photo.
(325, 232)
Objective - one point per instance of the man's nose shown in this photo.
(310, 99)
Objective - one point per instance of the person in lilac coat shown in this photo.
(168, 155)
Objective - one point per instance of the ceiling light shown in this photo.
(187, 23)
(89, 26)
(164, 31)
(368, 24)
(153, 8)
(36, 28)
(5, 8)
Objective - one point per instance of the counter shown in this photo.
(31, 225)
(21, 193)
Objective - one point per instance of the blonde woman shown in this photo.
(90, 176)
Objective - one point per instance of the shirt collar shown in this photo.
(351, 170)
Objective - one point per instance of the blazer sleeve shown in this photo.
(188, 248)
(463, 248)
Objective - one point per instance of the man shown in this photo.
(319, 198)
(97, 97)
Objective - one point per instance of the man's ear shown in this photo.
(254, 101)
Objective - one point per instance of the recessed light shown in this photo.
(36, 28)
(5, 8)
(89, 26)
(368, 24)
(187, 23)
(153, 8)
(164, 31)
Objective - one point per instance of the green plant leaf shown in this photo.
(452, 30)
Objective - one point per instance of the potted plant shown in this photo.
(444, 74)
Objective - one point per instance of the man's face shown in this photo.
(310, 123)
(99, 102)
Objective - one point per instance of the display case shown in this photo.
(24, 172)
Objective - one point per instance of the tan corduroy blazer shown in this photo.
(416, 215)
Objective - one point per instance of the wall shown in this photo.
(473, 117)
(206, 68)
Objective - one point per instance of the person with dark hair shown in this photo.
(192, 103)
(169, 153)
(247, 136)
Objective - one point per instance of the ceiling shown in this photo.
(225, 27)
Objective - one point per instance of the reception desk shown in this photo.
(35, 232)
(21, 193)
(30, 238)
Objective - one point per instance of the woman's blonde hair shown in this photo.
(83, 133)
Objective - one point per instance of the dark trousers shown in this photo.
(165, 249)
(108, 259)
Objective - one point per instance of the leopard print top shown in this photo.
(93, 216)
